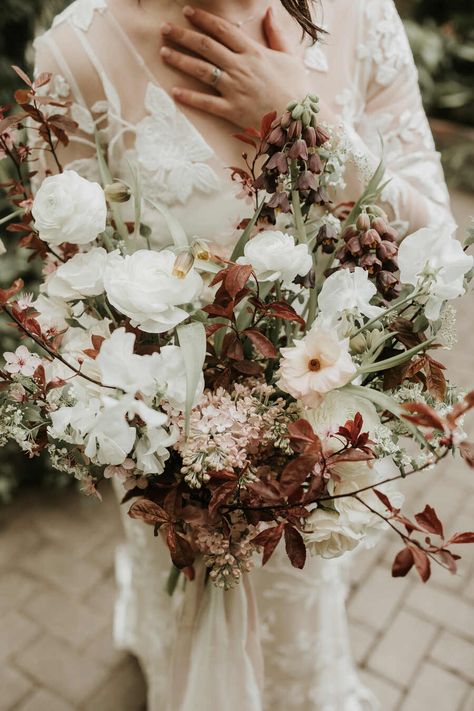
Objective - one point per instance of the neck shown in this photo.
(225, 8)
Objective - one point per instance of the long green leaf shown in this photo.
(192, 340)
(177, 232)
(239, 247)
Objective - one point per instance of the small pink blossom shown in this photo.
(24, 302)
(122, 471)
(22, 362)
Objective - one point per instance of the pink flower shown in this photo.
(22, 362)
(25, 302)
(315, 365)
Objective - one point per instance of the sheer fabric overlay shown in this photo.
(280, 640)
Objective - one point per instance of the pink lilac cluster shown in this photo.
(228, 429)
(227, 557)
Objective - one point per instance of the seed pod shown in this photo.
(183, 264)
(363, 222)
(117, 192)
(370, 239)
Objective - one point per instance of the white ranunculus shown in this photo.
(315, 365)
(120, 367)
(68, 208)
(337, 407)
(81, 276)
(275, 257)
(347, 291)
(170, 370)
(434, 253)
(142, 287)
(52, 313)
(327, 535)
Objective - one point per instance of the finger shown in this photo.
(198, 43)
(222, 30)
(192, 66)
(274, 34)
(215, 105)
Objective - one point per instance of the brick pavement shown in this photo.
(414, 644)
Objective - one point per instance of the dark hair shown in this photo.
(301, 11)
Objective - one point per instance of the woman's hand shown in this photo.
(254, 79)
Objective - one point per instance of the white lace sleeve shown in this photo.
(393, 123)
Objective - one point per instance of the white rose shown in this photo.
(80, 277)
(315, 365)
(142, 287)
(348, 291)
(327, 535)
(68, 208)
(435, 254)
(274, 256)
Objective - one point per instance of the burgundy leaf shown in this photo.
(236, 278)
(448, 560)
(22, 75)
(384, 499)
(403, 563)
(428, 520)
(149, 512)
(247, 367)
(457, 538)
(269, 539)
(352, 455)
(467, 452)
(262, 344)
(423, 415)
(422, 563)
(244, 139)
(285, 312)
(181, 550)
(295, 547)
(221, 496)
(6, 294)
(297, 471)
(302, 435)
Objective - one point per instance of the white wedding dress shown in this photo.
(280, 640)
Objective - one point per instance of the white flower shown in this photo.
(142, 287)
(347, 291)
(327, 535)
(338, 407)
(21, 362)
(68, 208)
(120, 367)
(80, 277)
(274, 256)
(170, 370)
(52, 313)
(315, 365)
(152, 449)
(434, 254)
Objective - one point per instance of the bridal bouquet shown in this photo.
(280, 392)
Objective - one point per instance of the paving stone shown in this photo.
(64, 616)
(15, 589)
(362, 640)
(16, 632)
(125, 690)
(387, 694)
(59, 667)
(436, 689)
(43, 700)
(57, 566)
(375, 602)
(14, 686)
(455, 654)
(403, 645)
(468, 705)
(443, 608)
(101, 647)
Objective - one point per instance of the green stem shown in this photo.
(172, 581)
(396, 360)
(411, 297)
(11, 216)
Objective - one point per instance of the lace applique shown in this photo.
(172, 152)
(386, 44)
(81, 13)
(314, 58)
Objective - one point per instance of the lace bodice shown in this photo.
(363, 69)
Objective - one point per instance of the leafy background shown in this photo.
(441, 33)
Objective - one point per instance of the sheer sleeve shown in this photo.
(393, 124)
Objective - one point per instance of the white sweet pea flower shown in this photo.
(68, 208)
(142, 287)
(169, 369)
(275, 257)
(434, 255)
(152, 449)
(315, 365)
(347, 291)
(80, 277)
(21, 362)
(120, 367)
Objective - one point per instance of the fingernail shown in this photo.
(188, 11)
(165, 52)
(166, 28)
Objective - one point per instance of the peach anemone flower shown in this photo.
(315, 365)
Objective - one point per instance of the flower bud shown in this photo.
(200, 250)
(386, 250)
(117, 192)
(349, 232)
(276, 137)
(358, 344)
(322, 136)
(183, 264)
(315, 164)
(354, 247)
(307, 181)
(390, 234)
(388, 284)
(297, 112)
(294, 129)
(377, 212)
(363, 222)
(285, 119)
(370, 263)
(380, 225)
(370, 239)
(299, 149)
(306, 118)
(309, 136)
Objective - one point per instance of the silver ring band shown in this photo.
(216, 75)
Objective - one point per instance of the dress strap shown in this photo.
(59, 58)
(132, 48)
(110, 93)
